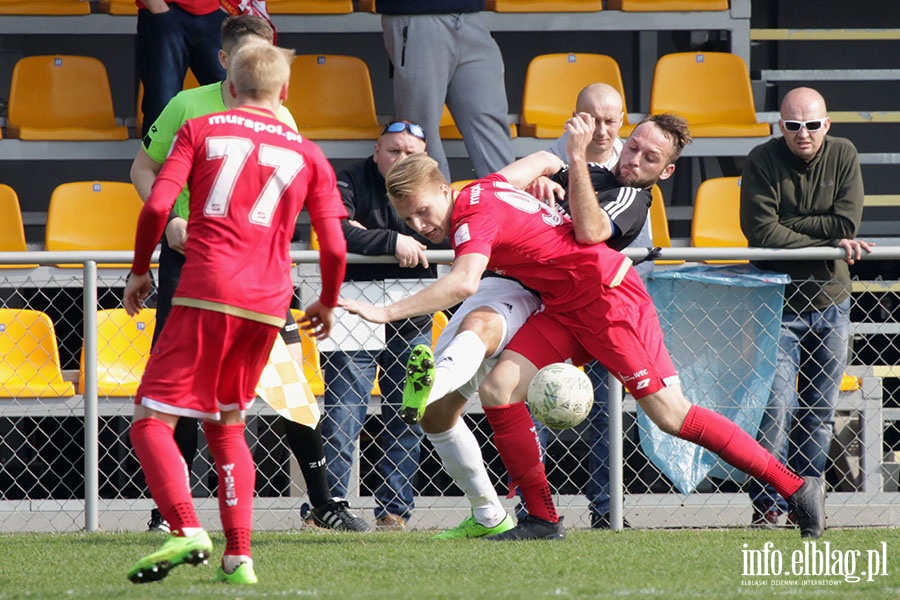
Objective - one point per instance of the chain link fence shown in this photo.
(60, 473)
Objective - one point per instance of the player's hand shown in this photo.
(581, 131)
(176, 234)
(546, 190)
(855, 249)
(137, 288)
(369, 312)
(317, 320)
(410, 252)
(356, 224)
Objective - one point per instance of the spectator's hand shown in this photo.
(137, 288)
(176, 234)
(317, 320)
(546, 190)
(369, 312)
(410, 252)
(854, 249)
(157, 7)
(581, 131)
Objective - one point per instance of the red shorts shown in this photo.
(620, 329)
(205, 362)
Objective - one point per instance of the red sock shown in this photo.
(165, 472)
(237, 480)
(515, 438)
(722, 436)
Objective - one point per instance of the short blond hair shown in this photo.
(260, 70)
(412, 174)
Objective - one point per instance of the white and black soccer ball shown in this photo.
(560, 396)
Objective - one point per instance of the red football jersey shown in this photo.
(249, 176)
(528, 240)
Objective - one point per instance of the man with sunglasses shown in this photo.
(804, 190)
(351, 362)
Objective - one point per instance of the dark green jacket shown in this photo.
(789, 203)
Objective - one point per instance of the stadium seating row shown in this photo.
(30, 365)
(57, 97)
(312, 7)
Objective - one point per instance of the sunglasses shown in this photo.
(398, 126)
(810, 126)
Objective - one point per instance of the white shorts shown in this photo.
(507, 298)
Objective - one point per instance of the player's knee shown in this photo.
(442, 415)
(486, 324)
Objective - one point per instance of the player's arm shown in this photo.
(525, 170)
(143, 173)
(591, 223)
(453, 288)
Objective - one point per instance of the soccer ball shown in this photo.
(560, 396)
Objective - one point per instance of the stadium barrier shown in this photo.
(66, 463)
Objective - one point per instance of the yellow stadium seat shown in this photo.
(552, 83)
(62, 98)
(331, 98)
(717, 216)
(309, 7)
(117, 7)
(518, 6)
(449, 130)
(45, 7)
(123, 347)
(29, 356)
(850, 383)
(190, 82)
(12, 230)
(312, 362)
(709, 89)
(437, 326)
(667, 5)
(659, 225)
(460, 184)
(92, 215)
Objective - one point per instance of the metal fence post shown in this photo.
(616, 455)
(91, 407)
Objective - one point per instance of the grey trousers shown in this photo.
(451, 58)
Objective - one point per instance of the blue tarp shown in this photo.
(721, 326)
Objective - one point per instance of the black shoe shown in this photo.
(335, 514)
(602, 522)
(532, 528)
(808, 507)
(157, 523)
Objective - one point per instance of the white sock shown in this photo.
(457, 365)
(230, 562)
(190, 531)
(461, 457)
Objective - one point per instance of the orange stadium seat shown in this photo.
(190, 82)
(123, 347)
(717, 216)
(709, 89)
(659, 225)
(552, 83)
(29, 356)
(92, 215)
(312, 361)
(667, 5)
(331, 98)
(117, 7)
(460, 184)
(437, 326)
(45, 7)
(62, 98)
(518, 6)
(309, 7)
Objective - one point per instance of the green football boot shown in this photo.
(470, 528)
(419, 379)
(243, 575)
(193, 550)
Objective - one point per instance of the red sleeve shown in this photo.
(155, 212)
(332, 258)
